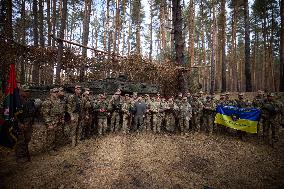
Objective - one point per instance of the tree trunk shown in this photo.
(179, 42)
(48, 23)
(106, 29)
(23, 38)
(178, 37)
(86, 23)
(138, 29)
(247, 48)
(41, 24)
(117, 27)
(214, 36)
(223, 45)
(151, 30)
(53, 21)
(162, 27)
(60, 44)
(191, 33)
(36, 67)
(129, 29)
(281, 88)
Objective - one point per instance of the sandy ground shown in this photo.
(149, 161)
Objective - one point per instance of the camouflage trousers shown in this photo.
(114, 123)
(75, 129)
(52, 135)
(24, 137)
(125, 123)
(196, 118)
(157, 122)
(170, 122)
(272, 125)
(208, 122)
(102, 125)
(86, 126)
(184, 123)
(147, 122)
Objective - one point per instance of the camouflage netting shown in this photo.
(166, 75)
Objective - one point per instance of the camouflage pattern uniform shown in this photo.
(87, 111)
(148, 115)
(25, 123)
(115, 107)
(74, 104)
(101, 107)
(258, 102)
(209, 110)
(241, 103)
(126, 107)
(158, 114)
(269, 113)
(52, 117)
(197, 107)
(170, 115)
(185, 114)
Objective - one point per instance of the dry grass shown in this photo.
(149, 161)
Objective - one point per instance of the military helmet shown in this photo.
(25, 88)
(270, 94)
(240, 94)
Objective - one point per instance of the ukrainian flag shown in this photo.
(244, 119)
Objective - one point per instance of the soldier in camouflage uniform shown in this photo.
(25, 119)
(269, 113)
(74, 104)
(101, 107)
(197, 107)
(87, 113)
(115, 105)
(241, 103)
(52, 118)
(170, 115)
(209, 110)
(148, 115)
(126, 109)
(184, 115)
(258, 102)
(228, 100)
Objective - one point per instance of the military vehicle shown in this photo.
(108, 86)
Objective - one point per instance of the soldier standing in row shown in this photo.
(87, 112)
(139, 111)
(258, 102)
(101, 108)
(209, 113)
(269, 113)
(74, 109)
(148, 115)
(185, 114)
(197, 107)
(170, 117)
(115, 108)
(25, 124)
(126, 109)
(52, 118)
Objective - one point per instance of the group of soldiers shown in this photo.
(82, 115)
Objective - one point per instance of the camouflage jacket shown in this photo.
(258, 102)
(126, 107)
(197, 106)
(101, 107)
(185, 110)
(74, 104)
(51, 110)
(209, 107)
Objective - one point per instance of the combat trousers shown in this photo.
(184, 124)
(115, 126)
(125, 123)
(157, 122)
(75, 129)
(270, 124)
(24, 137)
(102, 125)
(196, 121)
(147, 122)
(86, 126)
(170, 122)
(52, 136)
(208, 123)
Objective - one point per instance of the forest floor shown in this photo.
(146, 160)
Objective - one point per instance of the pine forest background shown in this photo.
(213, 45)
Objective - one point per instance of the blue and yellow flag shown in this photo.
(244, 119)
